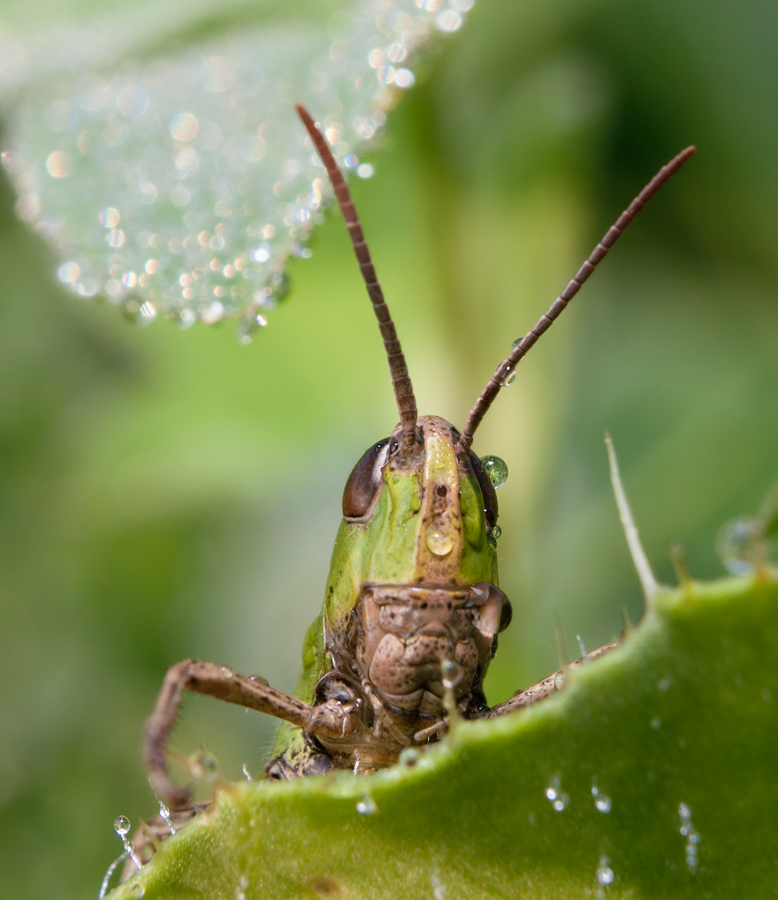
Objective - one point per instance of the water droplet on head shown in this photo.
(121, 825)
(495, 470)
(439, 543)
(367, 806)
(451, 672)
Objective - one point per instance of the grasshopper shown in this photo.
(412, 607)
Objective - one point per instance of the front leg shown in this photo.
(224, 684)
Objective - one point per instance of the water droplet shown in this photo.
(367, 806)
(280, 285)
(409, 756)
(741, 546)
(138, 891)
(509, 378)
(184, 127)
(496, 532)
(691, 834)
(121, 826)
(449, 20)
(165, 814)
(58, 164)
(452, 673)
(439, 543)
(495, 470)
(603, 803)
(109, 217)
(68, 272)
(404, 78)
(555, 795)
(605, 874)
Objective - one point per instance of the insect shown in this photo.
(412, 608)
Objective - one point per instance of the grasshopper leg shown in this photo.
(223, 684)
(545, 688)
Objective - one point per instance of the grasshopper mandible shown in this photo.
(412, 606)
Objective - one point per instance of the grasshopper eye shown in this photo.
(487, 491)
(365, 480)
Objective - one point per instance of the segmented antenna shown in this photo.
(403, 389)
(544, 323)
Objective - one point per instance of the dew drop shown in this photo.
(109, 217)
(509, 378)
(496, 532)
(121, 825)
(367, 806)
(439, 543)
(603, 803)
(58, 164)
(555, 795)
(165, 815)
(452, 674)
(409, 757)
(495, 470)
(740, 545)
(138, 891)
(605, 874)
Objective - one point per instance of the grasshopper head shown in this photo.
(413, 580)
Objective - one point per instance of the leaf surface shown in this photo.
(652, 774)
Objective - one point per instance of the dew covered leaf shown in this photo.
(652, 774)
(158, 151)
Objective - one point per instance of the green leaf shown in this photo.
(659, 756)
(159, 152)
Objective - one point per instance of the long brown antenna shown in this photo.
(507, 366)
(403, 389)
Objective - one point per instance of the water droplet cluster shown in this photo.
(691, 834)
(555, 795)
(182, 184)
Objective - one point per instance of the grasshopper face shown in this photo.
(413, 581)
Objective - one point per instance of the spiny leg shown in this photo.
(545, 688)
(326, 720)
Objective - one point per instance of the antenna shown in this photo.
(401, 382)
(544, 323)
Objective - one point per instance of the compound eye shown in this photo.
(364, 481)
(487, 491)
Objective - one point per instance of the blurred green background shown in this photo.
(166, 494)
